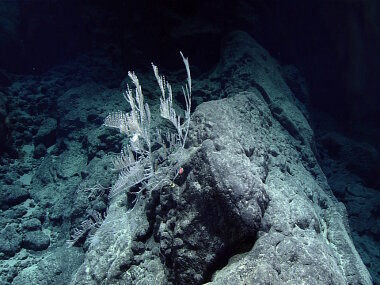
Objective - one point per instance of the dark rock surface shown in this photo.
(10, 241)
(337, 155)
(12, 195)
(32, 224)
(46, 133)
(44, 164)
(335, 43)
(35, 240)
(253, 206)
(55, 268)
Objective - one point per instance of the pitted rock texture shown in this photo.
(252, 206)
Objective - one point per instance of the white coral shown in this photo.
(136, 164)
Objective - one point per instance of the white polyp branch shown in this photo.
(136, 163)
(186, 62)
